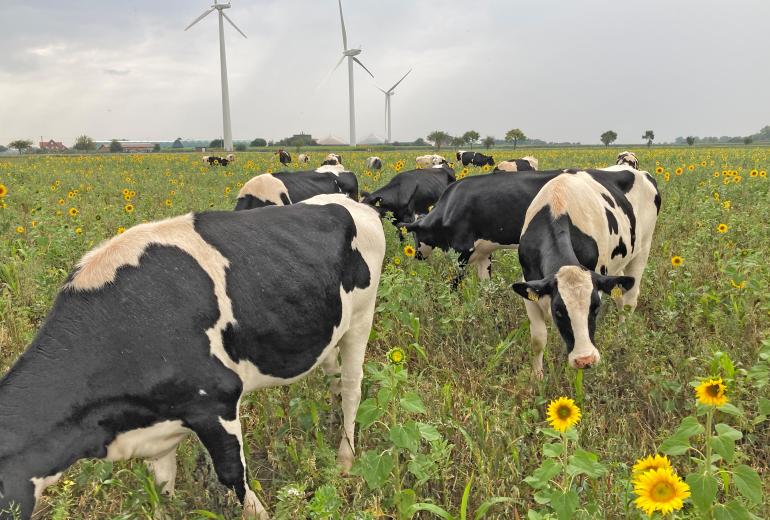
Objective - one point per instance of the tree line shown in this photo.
(440, 138)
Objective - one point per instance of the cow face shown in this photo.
(374, 201)
(574, 305)
(491, 160)
(17, 493)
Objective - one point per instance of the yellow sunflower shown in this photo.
(409, 251)
(716, 174)
(753, 173)
(676, 261)
(722, 228)
(737, 179)
(126, 192)
(129, 208)
(660, 490)
(703, 163)
(678, 171)
(127, 197)
(659, 170)
(73, 212)
(711, 392)
(651, 462)
(70, 194)
(397, 356)
(397, 261)
(666, 176)
(727, 204)
(763, 174)
(78, 230)
(20, 230)
(691, 167)
(168, 202)
(121, 230)
(486, 168)
(738, 285)
(3, 191)
(61, 202)
(563, 413)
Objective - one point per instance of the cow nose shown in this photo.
(585, 361)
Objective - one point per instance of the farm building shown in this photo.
(129, 147)
(331, 140)
(52, 146)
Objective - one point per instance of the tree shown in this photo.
(457, 142)
(217, 143)
(438, 137)
(748, 140)
(488, 142)
(515, 136)
(3, 148)
(84, 143)
(649, 135)
(471, 137)
(20, 144)
(115, 146)
(240, 147)
(156, 147)
(609, 137)
(419, 142)
(177, 143)
(258, 142)
(690, 140)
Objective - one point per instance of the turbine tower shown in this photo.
(227, 129)
(350, 54)
(388, 93)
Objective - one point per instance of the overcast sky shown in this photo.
(561, 70)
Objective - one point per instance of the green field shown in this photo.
(463, 408)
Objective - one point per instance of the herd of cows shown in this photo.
(159, 332)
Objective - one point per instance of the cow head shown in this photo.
(628, 158)
(574, 304)
(24, 475)
(491, 160)
(423, 238)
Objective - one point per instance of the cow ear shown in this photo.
(607, 283)
(535, 289)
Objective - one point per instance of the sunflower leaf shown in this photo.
(730, 409)
(565, 504)
(553, 450)
(729, 431)
(411, 402)
(542, 475)
(723, 445)
(368, 413)
(689, 427)
(748, 483)
(586, 463)
(675, 445)
(703, 489)
(732, 510)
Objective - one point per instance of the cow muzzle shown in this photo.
(585, 358)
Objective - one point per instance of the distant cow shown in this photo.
(373, 163)
(284, 157)
(584, 232)
(218, 161)
(410, 194)
(527, 163)
(303, 158)
(628, 158)
(428, 161)
(475, 158)
(332, 159)
(283, 188)
(160, 331)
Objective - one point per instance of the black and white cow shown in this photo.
(160, 331)
(303, 158)
(527, 163)
(332, 159)
(584, 232)
(410, 194)
(373, 163)
(218, 161)
(429, 161)
(475, 158)
(628, 158)
(283, 188)
(284, 157)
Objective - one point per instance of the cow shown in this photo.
(628, 158)
(303, 158)
(475, 158)
(160, 331)
(584, 233)
(410, 194)
(428, 161)
(283, 188)
(218, 161)
(373, 163)
(284, 157)
(527, 163)
(332, 159)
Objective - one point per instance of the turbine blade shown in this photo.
(378, 88)
(362, 66)
(399, 81)
(326, 78)
(201, 17)
(233, 24)
(344, 34)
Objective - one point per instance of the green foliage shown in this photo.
(115, 146)
(488, 142)
(20, 144)
(217, 143)
(84, 143)
(649, 136)
(609, 137)
(258, 143)
(515, 135)
(438, 138)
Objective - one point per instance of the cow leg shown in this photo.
(224, 441)
(164, 470)
(635, 268)
(331, 367)
(462, 264)
(539, 336)
(484, 268)
(352, 351)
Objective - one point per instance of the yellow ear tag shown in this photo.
(616, 292)
(532, 295)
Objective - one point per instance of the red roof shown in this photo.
(52, 145)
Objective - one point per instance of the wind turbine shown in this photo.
(389, 93)
(350, 54)
(227, 130)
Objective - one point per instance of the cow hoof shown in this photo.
(345, 457)
(537, 374)
(252, 507)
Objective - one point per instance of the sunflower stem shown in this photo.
(565, 477)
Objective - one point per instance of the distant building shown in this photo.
(52, 146)
(372, 139)
(129, 147)
(331, 140)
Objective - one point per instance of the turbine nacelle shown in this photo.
(352, 52)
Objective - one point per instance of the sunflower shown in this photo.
(33, 223)
(126, 192)
(61, 202)
(409, 251)
(659, 170)
(753, 173)
(227, 190)
(129, 208)
(763, 174)
(716, 196)
(78, 230)
(3, 191)
(397, 261)
(660, 490)
(121, 230)
(666, 176)
(70, 194)
(486, 168)
(563, 413)
(711, 392)
(651, 462)
(396, 356)
(691, 167)
(168, 202)
(678, 171)
(73, 212)
(20, 230)
(127, 197)
(737, 179)
(716, 174)
(703, 163)
(738, 285)
(676, 261)
(725, 181)
(722, 228)
(727, 204)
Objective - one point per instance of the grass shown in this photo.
(468, 353)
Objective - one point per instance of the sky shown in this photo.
(561, 70)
